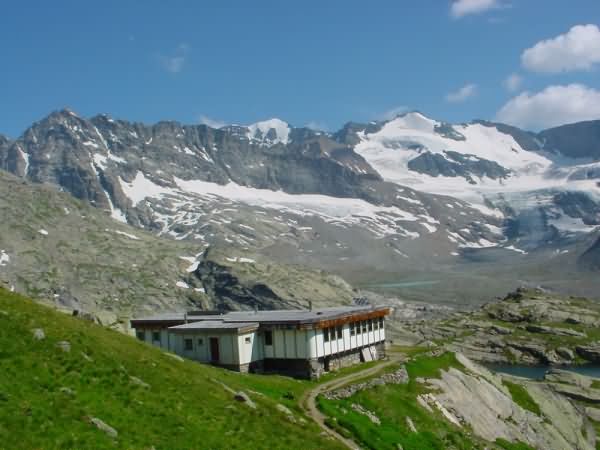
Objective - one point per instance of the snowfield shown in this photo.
(390, 149)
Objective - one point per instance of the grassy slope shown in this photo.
(183, 407)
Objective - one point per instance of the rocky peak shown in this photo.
(577, 140)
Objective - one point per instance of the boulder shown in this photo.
(532, 328)
(589, 352)
(410, 425)
(137, 381)
(38, 334)
(593, 413)
(568, 377)
(241, 396)
(104, 427)
(285, 410)
(578, 393)
(65, 346)
(365, 412)
(497, 329)
(565, 353)
(174, 356)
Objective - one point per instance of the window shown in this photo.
(200, 342)
(376, 324)
(188, 344)
(381, 323)
(268, 337)
(370, 322)
(352, 330)
(156, 336)
(141, 335)
(248, 340)
(339, 333)
(326, 334)
(364, 326)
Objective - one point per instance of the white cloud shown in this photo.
(555, 105)
(578, 49)
(463, 94)
(174, 62)
(392, 113)
(461, 8)
(513, 82)
(213, 123)
(316, 126)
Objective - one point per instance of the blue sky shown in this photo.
(307, 62)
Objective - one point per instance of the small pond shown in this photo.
(404, 284)
(538, 372)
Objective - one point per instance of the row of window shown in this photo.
(330, 333)
(364, 326)
(361, 326)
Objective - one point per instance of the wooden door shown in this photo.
(214, 349)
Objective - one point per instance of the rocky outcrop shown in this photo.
(589, 352)
(478, 399)
(235, 280)
(400, 376)
(454, 164)
(527, 327)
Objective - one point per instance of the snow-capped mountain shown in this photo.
(482, 165)
(379, 201)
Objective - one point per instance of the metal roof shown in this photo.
(214, 325)
(296, 315)
(284, 316)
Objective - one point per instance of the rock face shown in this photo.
(234, 282)
(480, 400)
(453, 164)
(578, 140)
(591, 257)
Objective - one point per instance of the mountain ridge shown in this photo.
(403, 198)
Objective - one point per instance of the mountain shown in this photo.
(410, 205)
(591, 258)
(74, 256)
(576, 140)
(83, 386)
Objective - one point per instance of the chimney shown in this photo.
(255, 309)
(310, 305)
(185, 317)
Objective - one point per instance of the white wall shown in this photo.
(252, 351)
(287, 344)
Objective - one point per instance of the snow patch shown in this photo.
(515, 249)
(182, 285)
(141, 187)
(4, 258)
(260, 130)
(123, 233)
(42, 231)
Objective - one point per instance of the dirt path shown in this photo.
(309, 403)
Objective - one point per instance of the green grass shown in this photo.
(429, 367)
(521, 397)
(183, 408)
(507, 445)
(596, 384)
